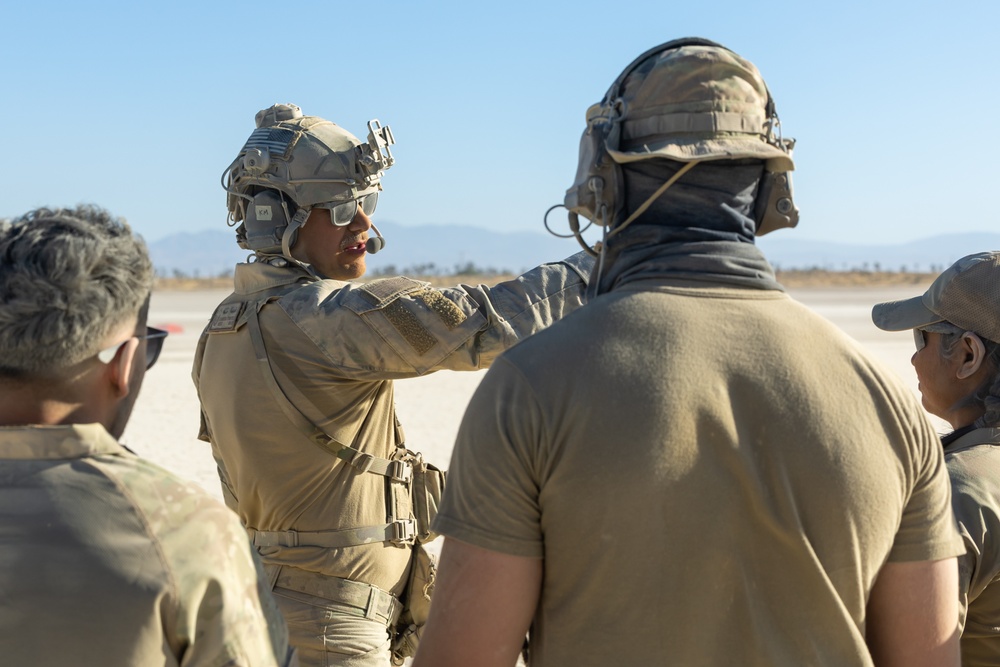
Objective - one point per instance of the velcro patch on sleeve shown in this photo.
(409, 327)
(450, 314)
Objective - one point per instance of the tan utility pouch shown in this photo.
(425, 495)
(416, 605)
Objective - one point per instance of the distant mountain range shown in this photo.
(932, 254)
(445, 249)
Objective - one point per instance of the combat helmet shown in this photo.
(292, 163)
(688, 100)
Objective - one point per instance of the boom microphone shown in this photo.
(373, 245)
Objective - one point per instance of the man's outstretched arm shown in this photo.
(483, 605)
(913, 615)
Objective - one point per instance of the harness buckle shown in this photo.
(400, 471)
(363, 462)
(402, 532)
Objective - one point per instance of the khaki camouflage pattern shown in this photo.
(690, 103)
(110, 560)
(341, 345)
(697, 103)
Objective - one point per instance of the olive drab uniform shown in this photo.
(294, 374)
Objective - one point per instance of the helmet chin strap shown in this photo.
(291, 231)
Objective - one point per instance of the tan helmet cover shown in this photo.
(306, 159)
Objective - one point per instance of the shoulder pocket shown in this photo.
(422, 324)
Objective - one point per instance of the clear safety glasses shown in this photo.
(341, 213)
(154, 343)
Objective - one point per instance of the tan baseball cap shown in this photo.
(967, 295)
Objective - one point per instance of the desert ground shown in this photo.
(164, 426)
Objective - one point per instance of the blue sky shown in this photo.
(139, 108)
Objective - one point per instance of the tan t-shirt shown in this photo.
(973, 462)
(107, 559)
(714, 476)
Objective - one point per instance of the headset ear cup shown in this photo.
(265, 221)
(266, 210)
(774, 207)
(598, 178)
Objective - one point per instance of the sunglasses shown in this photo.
(920, 335)
(342, 213)
(154, 344)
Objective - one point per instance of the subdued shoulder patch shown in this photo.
(446, 309)
(225, 317)
(409, 327)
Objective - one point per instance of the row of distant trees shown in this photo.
(867, 267)
(473, 269)
(426, 269)
(431, 269)
(196, 274)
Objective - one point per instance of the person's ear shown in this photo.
(120, 368)
(973, 354)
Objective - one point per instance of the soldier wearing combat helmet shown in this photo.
(294, 372)
(694, 469)
(291, 165)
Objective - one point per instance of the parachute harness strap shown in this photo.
(397, 471)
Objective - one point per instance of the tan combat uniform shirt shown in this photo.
(973, 462)
(713, 476)
(335, 348)
(106, 559)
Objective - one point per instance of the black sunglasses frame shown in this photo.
(154, 344)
